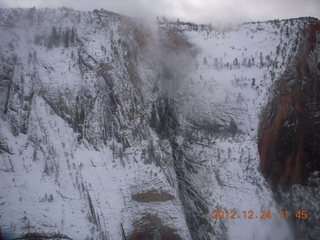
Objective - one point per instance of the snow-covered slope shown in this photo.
(112, 128)
(233, 76)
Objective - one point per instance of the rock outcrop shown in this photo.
(289, 135)
(289, 138)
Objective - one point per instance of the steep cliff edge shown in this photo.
(289, 139)
(289, 134)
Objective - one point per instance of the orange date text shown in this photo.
(302, 214)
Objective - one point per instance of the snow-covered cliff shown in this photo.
(113, 128)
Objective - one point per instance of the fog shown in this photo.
(200, 11)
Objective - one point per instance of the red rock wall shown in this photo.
(289, 136)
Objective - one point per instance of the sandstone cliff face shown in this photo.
(289, 138)
(289, 134)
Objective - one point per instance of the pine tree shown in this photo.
(253, 81)
(205, 61)
(66, 38)
(54, 38)
(72, 38)
(287, 31)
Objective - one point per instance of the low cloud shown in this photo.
(201, 11)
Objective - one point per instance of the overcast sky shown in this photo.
(201, 11)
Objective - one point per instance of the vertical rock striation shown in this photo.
(289, 135)
(289, 138)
